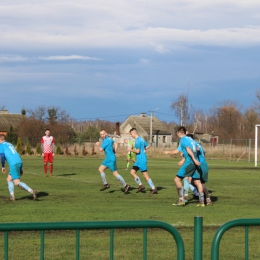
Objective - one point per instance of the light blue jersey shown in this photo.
(185, 142)
(141, 144)
(11, 156)
(108, 147)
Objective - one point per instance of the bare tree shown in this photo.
(182, 109)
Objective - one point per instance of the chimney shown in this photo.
(143, 115)
(117, 128)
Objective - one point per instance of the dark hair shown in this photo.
(190, 135)
(182, 130)
(47, 129)
(132, 129)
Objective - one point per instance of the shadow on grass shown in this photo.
(30, 197)
(67, 174)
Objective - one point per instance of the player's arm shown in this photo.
(99, 148)
(181, 162)
(53, 147)
(42, 142)
(2, 155)
(191, 154)
(171, 152)
(115, 146)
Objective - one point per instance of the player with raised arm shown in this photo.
(130, 155)
(9, 154)
(109, 147)
(141, 163)
(48, 148)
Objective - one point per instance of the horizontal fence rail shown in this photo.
(233, 223)
(144, 224)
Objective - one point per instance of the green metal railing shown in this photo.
(145, 224)
(233, 223)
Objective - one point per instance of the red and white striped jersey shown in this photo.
(47, 144)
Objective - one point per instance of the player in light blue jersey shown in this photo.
(188, 169)
(141, 161)
(9, 154)
(109, 147)
(203, 169)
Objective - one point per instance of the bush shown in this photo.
(38, 149)
(28, 149)
(58, 150)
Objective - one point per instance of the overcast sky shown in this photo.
(110, 59)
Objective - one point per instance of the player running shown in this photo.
(141, 163)
(48, 148)
(130, 155)
(109, 147)
(8, 153)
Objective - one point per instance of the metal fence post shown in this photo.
(198, 238)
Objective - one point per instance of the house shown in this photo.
(7, 120)
(160, 136)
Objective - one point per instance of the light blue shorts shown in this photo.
(111, 165)
(15, 171)
(141, 165)
(203, 171)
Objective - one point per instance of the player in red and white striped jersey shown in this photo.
(47, 145)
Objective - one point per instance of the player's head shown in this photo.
(181, 131)
(2, 138)
(47, 132)
(190, 135)
(103, 133)
(133, 132)
(125, 141)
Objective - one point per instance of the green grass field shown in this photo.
(73, 195)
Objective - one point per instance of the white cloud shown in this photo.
(12, 58)
(160, 25)
(65, 58)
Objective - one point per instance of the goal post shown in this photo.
(256, 143)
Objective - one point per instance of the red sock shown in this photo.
(51, 167)
(45, 169)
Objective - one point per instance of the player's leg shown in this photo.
(178, 183)
(45, 164)
(50, 159)
(186, 187)
(197, 182)
(101, 170)
(127, 161)
(133, 172)
(120, 179)
(148, 179)
(10, 185)
(15, 176)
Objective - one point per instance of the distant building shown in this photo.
(7, 120)
(160, 136)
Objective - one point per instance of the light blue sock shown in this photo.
(103, 176)
(186, 186)
(180, 192)
(150, 182)
(201, 197)
(23, 186)
(10, 187)
(121, 179)
(194, 190)
(137, 180)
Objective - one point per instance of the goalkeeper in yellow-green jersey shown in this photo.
(130, 155)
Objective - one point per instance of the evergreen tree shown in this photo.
(19, 146)
(38, 149)
(58, 150)
(28, 149)
(11, 136)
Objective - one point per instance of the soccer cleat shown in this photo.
(154, 191)
(185, 198)
(11, 198)
(34, 194)
(51, 175)
(179, 203)
(127, 187)
(140, 188)
(209, 203)
(106, 186)
(45, 175)
(201, 204)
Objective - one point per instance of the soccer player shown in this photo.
(8, 153)
(109, 147)
(48, 146)
(141, 163)
(203, 169)
(188, 148)
(130, 155)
